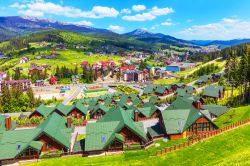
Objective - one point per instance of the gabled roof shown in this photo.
(107, 101)
(99, 135)
(125, 120)
(123, 104)
(55, 127)
(181, 103)
(80, 107)
(100, 107)
(203, 79)
(213, 91)
(44, 110)
(11, 139)
(177, 121)
(153, 99)
(64, 109)
(148, 89)
(217, 110)
(147, 111)
(160, 89)
(124, 98)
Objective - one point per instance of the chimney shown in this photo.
(68, 122)
(136, 115)
(198, 105)
(8, 123)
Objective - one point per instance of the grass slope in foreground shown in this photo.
(231, 148)
(233, 115)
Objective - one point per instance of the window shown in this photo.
(48, 146)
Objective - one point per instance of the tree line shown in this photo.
(14, 99)
(237, 70)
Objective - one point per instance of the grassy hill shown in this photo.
(70, 39)
(231, 148)
(233, 115)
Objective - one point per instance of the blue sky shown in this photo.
(186, 19)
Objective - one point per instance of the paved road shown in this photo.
(73, 96)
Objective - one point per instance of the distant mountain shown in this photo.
(144, 35)
(221, 43)
(15, 26)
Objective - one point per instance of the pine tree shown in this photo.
(30, 94)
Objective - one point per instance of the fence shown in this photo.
(201, 137)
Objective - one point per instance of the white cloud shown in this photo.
(18, 5)
(225, 29)
(126, 11)
(84, 23)
(161, 11)
(152, 14)
(140, 17)
(138, 8)
(42, 8)
(115, 28)
(167, 23)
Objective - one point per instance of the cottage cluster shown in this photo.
(112, 121)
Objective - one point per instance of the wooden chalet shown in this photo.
(148, 111)
(53, 134)
(163, 90)
(98, 111)
(213, 91)
(182, 123)
(42, 111)
(114, 131)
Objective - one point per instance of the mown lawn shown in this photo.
(233, 115)
(231, 148)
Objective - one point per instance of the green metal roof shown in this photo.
(2, 123)
(64, 109)
(80, 107)
(160, 89)
(122, 116)
(44, 110)
(100, 107)
(37, 145)
(213, 91)
(153, 99)
(54, 126)
(217, 110)
(182, 102)
(99, 135)
(177, 121)
(203, 79)
(148, 90)
(147, 111)
(11, 139)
